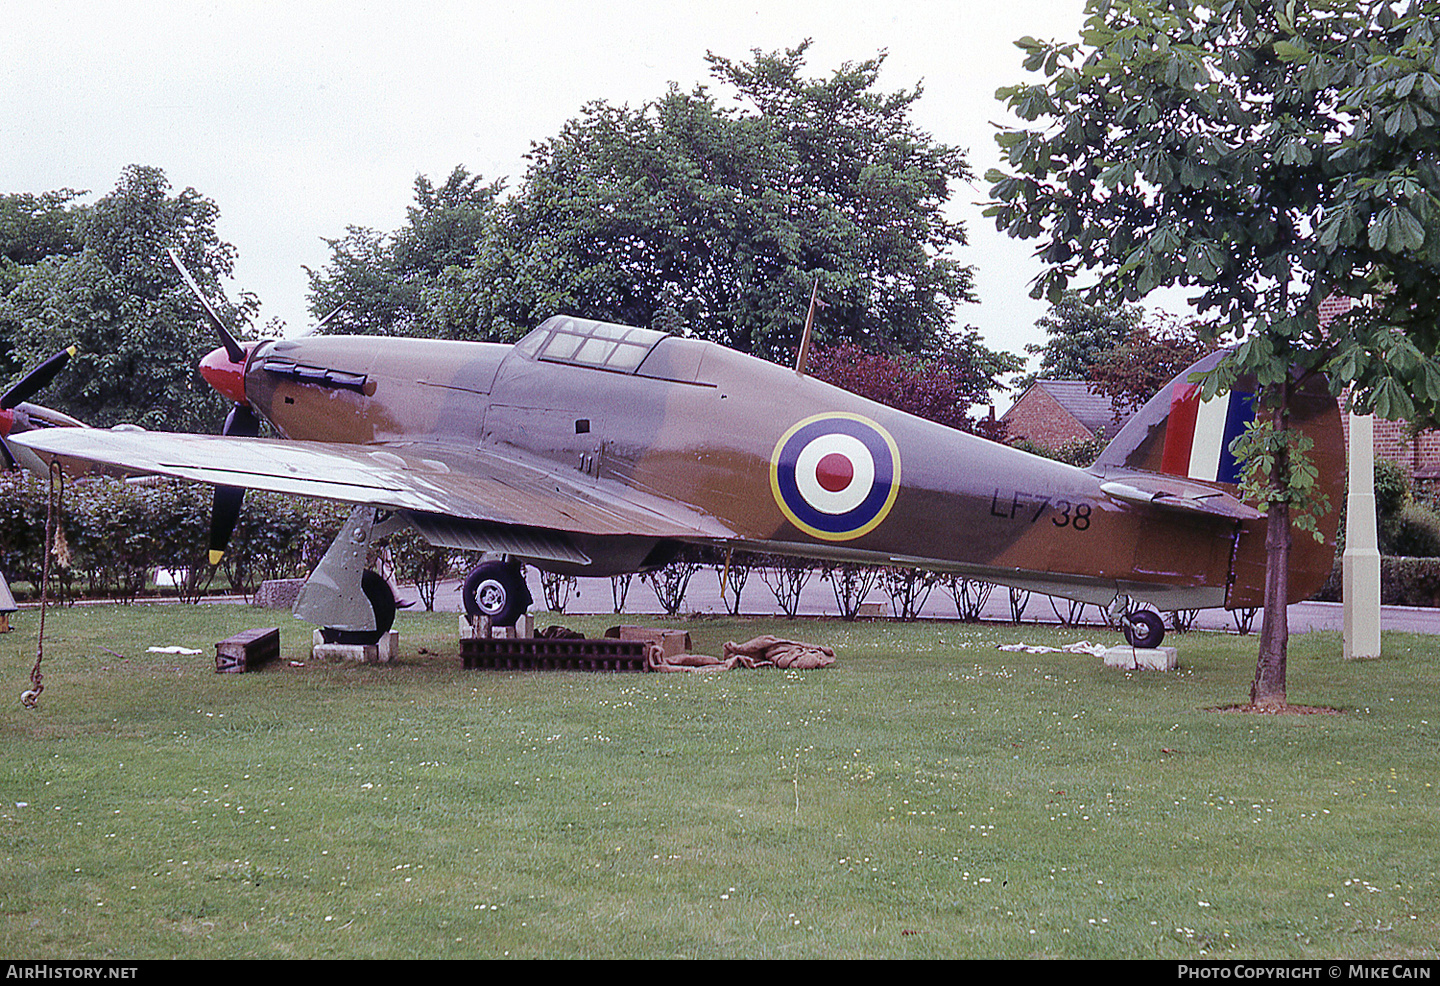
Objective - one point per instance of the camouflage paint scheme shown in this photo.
(579, 465)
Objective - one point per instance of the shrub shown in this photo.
(1410, 581)
(785, 577)
(852, 583)
(118, 533)
(1392, 487)
(22, 526)
(415, 561)
(1403, 582)
(1415, 532)
(1078, 452)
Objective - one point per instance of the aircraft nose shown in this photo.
(226, 377)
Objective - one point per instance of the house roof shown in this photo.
(1056, 411)
(1094, 410)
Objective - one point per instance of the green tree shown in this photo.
(1151, 356)
(1267, 155)
(1081, 335)
(33, 227)
(389, 284)
(724, 214)
(944, 388)
(120, 300)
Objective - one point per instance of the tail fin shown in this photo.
(1177, 434)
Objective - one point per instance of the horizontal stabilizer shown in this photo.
(1171, 493)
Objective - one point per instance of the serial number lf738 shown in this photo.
(1029, 507)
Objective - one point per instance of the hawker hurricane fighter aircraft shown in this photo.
(590, 448)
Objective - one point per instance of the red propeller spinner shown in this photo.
(225, 374)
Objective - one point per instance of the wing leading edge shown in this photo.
(481, 486)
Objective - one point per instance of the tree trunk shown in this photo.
(1268, 689)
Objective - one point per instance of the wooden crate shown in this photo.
(247, 650)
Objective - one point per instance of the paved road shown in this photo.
(817, 599)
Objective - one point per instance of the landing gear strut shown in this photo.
(497, 589)
(351, 603)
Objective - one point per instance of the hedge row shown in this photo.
(1403, 582)
(114, 536)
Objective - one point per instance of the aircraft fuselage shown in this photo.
(785, 462)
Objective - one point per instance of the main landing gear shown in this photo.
(496, 589)
(351, 603)
(381, 598)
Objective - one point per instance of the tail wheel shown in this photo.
(1143, 629)
(497, 590)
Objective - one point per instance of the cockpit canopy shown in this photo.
(584, 342)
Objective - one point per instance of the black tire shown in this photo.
(497, 589)
(1143, 629)
(382, 603)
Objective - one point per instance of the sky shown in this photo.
(301, 118)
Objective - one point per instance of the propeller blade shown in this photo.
(34, 381)
(223, 517)
(232, 348)
(241, 422)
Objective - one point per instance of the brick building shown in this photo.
(1054, 412)
(1417, 452)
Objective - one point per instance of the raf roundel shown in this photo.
(835, 476)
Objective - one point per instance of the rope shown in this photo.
(31, 697)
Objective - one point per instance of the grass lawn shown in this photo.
(928, 796)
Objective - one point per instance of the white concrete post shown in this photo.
(1360, 565)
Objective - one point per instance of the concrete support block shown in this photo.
(356, 653)
(1142, 658)
(388, 648)
(384, 652)
(479, 628)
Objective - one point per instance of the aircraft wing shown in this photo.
(487, 486)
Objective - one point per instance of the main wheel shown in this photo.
(382, 603)
(1143, 629)
(497, 589)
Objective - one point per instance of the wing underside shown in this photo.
(486, 495)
